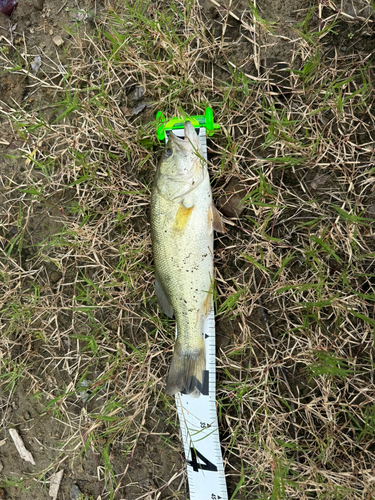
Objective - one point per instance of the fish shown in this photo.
(183, 220)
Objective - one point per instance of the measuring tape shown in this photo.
(197, 416)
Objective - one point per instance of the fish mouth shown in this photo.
(190, 139)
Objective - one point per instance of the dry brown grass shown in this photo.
(295, 272)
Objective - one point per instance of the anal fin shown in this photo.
(162, 299)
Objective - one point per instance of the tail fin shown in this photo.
(186, 371)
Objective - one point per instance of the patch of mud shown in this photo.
(12, 88)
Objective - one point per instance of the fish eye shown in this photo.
(167, 152)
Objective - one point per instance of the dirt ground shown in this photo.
(67, 429)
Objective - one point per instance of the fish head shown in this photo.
(183, 158)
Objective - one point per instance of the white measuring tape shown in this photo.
(198, 418)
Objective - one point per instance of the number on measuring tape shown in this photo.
(204, 387)
(204, 425)
(207, 465)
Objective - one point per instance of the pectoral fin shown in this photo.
(182, 217)
(162, 299)
(214, 220)
(217, 220)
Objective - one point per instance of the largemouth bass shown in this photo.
(183, 219)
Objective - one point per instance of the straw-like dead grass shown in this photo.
(295, 272)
